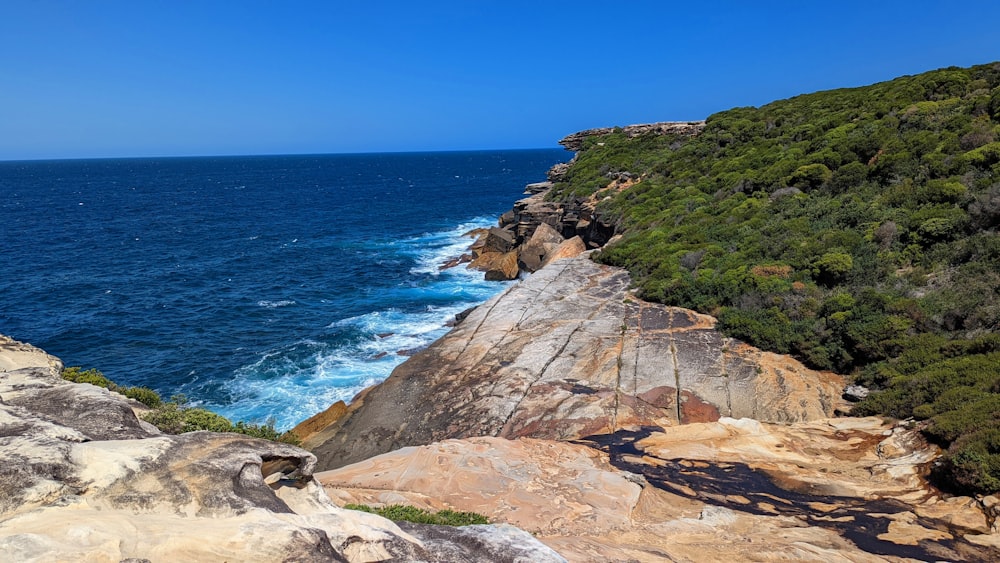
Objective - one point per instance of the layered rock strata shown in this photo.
(567, 353)
(82, 479)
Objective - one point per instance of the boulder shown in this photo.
(498, 266)
(855, 393)
(534, 253)
(498, 240)
(533, 211)
(557, 172)
(570, 248)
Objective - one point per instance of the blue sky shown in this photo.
(100, 78)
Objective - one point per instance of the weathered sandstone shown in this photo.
(82, 479)
(732, 490)
(566, 353)
(318, 422)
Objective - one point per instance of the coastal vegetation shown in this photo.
(404, 513)
(855, 229)
(175, 416)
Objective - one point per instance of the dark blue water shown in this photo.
(258, 286)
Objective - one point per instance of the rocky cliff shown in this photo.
(567, 353)
(83, 479)
(619, 430)
(540, 228)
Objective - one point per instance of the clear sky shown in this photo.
(102, 78)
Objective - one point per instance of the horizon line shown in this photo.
(274, 155)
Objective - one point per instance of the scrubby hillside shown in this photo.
(853, 228)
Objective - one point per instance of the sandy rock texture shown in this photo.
(567, 353)
(732, 490)
(82, 479)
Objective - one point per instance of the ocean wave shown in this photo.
(308, 376)
(432, 250)
(275, 304)
(291, 383)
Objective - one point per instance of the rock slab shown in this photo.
(566, 353)
(732, 490)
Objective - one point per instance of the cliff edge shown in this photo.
(83, 479)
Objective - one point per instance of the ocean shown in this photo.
(262, 288)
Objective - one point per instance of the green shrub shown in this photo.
(144, 395)
(972, 463)
(833, 266)
(174, 416)
(810, 177)
(399, 512)
(91, 376)
(893, 251)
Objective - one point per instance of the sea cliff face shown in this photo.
(604, 427)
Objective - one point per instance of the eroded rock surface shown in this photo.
(82, 479)
(568, 353)
(732, 490)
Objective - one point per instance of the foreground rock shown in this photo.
(83, 479)
(565, 354)
(732, 490)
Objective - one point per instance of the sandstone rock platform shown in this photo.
(843, 489)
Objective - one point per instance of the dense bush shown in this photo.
(144, 395)
(853, 228)
(399, 512)
(175, 416)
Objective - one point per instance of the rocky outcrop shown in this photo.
(530, 233)
(543, 243)
(566, 353)
(318, 422)
(567, 217)
(574, 142)
(82, 479)
(732, 490)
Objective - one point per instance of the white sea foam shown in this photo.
(292, 382)
(307, 377)
(275, 304)
(432, 250)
